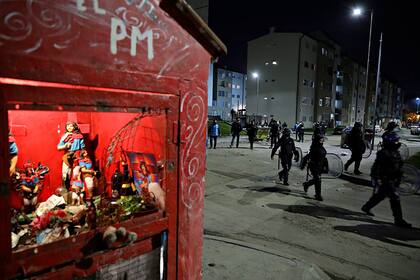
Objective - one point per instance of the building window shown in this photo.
(305, 82)
(238, 86)
(238, 96)
(313, 66)
(266, 63)
(274, 62)
(320, 102)
(310, 118)
(273, 80)
(306, 64)
(324, 51)
(304, 118)
(312, 84)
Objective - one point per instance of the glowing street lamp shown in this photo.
(256, 76)
(357, 12)
(417, 103)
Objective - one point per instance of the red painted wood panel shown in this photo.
(59, 55)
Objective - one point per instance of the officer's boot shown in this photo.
(285, 178)
(281, 174)
(397, 212)
(318, 190)
(346, 165)
(356, 168)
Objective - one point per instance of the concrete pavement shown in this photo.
(256, 228)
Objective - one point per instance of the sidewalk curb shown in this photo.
(312, 271)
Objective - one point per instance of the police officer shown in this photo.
(316, 157)
(274, 132)
(386, 176)
(287, 149)
(235, 131)
(357, 147)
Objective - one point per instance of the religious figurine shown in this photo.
(71, 143)
(30, 184)
(142, 177)
(76, 187)
(13, 154)
(87, 174)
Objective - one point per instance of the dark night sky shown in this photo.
(237, 21)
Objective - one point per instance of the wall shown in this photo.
(37, 134)
(278, 83)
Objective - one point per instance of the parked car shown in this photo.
(345, 136)
(415, 129)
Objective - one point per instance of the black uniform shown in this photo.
(274, 133)
(357, 147)
(386, 176)
(287, 150)
(235, 130)
(300, 131)
(252, 134)
(316, 157)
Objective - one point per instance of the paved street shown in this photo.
(256, 228)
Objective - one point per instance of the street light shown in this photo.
(417, 103)
(356, 13)
(256, 76)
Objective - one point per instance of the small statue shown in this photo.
(76, 187)
(13, 154)
(71, 143)
(87, 174)
(30, 184)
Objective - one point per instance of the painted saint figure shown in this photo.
(71, 143)
(142, 177)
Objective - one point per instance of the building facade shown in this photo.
(229, 93)
(285, 86)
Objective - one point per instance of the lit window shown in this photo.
(320, 102)
(313, 66)
(265, 98)
(238, 87)
(266, 63)
(312, 84)
(274, 62)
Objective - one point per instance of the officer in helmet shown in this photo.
(357, 147)
(316, 157)
(386, 176)
(287, 150)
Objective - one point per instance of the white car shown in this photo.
(415, 129)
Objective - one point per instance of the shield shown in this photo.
(332, 167)
(404, 152)
(410, 181)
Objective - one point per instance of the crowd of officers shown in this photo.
(386, 171)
